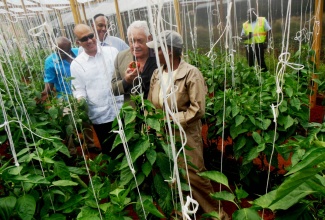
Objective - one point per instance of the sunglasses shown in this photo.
(86, 38)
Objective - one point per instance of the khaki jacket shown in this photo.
(190, 98)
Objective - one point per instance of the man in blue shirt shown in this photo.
(57, 69)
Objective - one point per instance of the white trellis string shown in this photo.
(169, 113)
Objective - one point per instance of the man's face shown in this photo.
(137, 41)
(162, 59)
(251, 15)
(101, 27)
(87, 40)
(66, 47)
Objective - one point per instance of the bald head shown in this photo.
(63, 42)
(65, 47)
(80, 29)
(86, 38)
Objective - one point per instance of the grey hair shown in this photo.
(139, 25)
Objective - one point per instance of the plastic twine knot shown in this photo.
(186, 207)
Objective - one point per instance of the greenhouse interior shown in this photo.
(160, 109)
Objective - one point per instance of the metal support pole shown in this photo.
(119, 20)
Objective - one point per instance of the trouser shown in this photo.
(201, 187)
(106, 138)
(255, 52)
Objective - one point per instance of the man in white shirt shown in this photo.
(105, 39)
(92, 72)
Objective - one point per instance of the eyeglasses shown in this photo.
(86, 38)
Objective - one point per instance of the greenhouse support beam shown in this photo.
(317, 38)
(75, 12)
(58, 13)
(119, 20)
(84, 13)
(178, 17)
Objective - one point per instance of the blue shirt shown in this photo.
(116, 42)
(57, 71)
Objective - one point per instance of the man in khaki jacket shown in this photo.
(190, 90)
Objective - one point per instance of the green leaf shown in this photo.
(289, 91)
(224, 195)
(153, 123)
(72, 202)
(15, 170)
(26, 206)
(288, 122)
(215, 176)
(61, 170)
(239, 143)
(128, 135)
(284, 106)
(265, 124)
(239, 119)
(42, 132)
(64, 183)
(296, 179)
(272, 202)
(56, 216)
(314, 158)
(235, 110)
(164, 164)
(240, 193)
(69, 130)
(296, 103)
(252, 119)
(246, 214)
(234, 131)
(53, 111)
(260, 147)
(129, 116)
(146, 168)
(151, 156)
(7, 205)
(150, 207)
(252, 154)
(36, 179)
(139, 149)
(257, 137)
(59, 146)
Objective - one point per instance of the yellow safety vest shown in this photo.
(259, 34)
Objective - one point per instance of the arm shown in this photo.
(197, 90)
(78, 85)
(123, 77)
(49, 79)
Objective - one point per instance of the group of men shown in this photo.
(101, 75)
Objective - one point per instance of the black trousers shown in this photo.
(106, 138)
(256, 52)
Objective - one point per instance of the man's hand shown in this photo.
(131, 74)
(265, 45)
(44, 96)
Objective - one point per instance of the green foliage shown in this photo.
(149, 156)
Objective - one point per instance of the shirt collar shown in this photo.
(85, 56)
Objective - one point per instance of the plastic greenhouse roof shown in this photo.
(18, 2)
(53, 2)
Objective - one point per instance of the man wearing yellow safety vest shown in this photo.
(255, 35)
